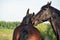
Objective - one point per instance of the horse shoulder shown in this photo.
(35, 34)
(16, 33)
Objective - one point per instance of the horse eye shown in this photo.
(44, 9)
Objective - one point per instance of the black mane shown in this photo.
(55, 10)
(26, 23)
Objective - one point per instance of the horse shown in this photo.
(26, 31)
(51, 14)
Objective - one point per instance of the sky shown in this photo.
(15, 10)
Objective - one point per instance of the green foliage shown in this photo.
(46, 31)
(8, 25)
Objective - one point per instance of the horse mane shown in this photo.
(38, 13)
(55, 9)
(26, 23)
(24, 33)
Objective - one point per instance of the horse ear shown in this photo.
(49, 3)
(27, 12)
(33, 13)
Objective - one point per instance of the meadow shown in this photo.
(7, 28)
(6, 34)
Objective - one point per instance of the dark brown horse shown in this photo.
(26, 31)
(51, 14)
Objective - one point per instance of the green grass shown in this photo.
(6, 34)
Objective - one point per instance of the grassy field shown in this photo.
(6, 34)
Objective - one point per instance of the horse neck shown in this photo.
(56, 27)
(55, 11)
(26, 21)
(25, 32)
(55, 15)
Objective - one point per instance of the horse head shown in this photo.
(43, 15)
(28, 18)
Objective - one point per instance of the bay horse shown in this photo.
(51, 14)
(26, 31)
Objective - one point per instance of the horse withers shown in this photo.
(26, 31)
(51, 14)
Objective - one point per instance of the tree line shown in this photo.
(8, 25)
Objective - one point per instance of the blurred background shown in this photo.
(13, 11)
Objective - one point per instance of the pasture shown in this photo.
(6, 34)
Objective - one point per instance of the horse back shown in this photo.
(34, 34)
